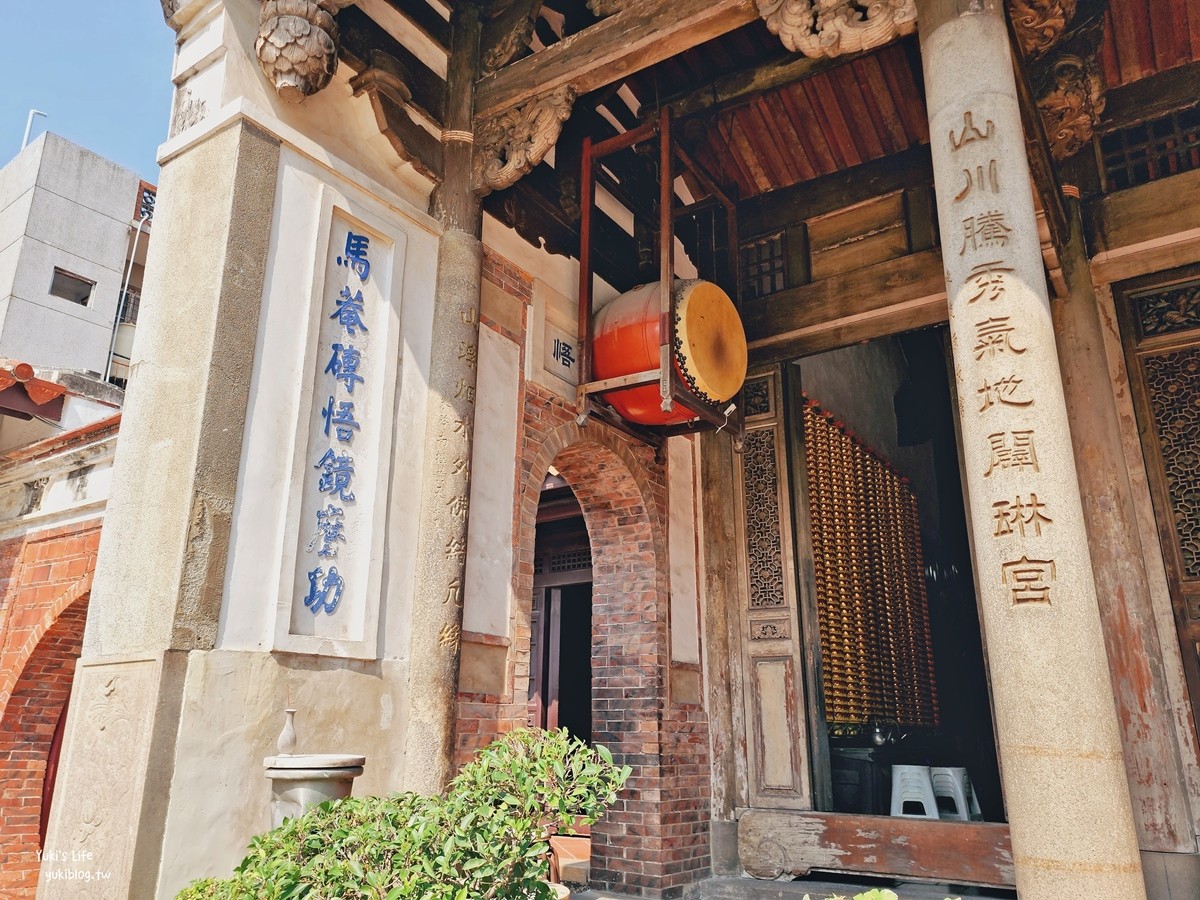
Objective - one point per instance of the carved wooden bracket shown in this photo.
(297, 45)
(819, 28)
(515, 141)
(508, 35)
(1069, 86)
(602, 8)
(1040, 23)
(1074, 104)
(385, 82)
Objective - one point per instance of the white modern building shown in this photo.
(68, 225)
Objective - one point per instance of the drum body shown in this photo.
(708, 352)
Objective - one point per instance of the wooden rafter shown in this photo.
(643, 33)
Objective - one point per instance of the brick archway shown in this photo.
(621, 491)
(39, 697)
(655, 841)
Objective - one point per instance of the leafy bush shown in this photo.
(488, 838)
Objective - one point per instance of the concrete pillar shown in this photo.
(1153, 765)
(450, 423)
(1060, 747)
(159, 577)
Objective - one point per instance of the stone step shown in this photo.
(754, 889)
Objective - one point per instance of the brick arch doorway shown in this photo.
(29, 734)
(620, 489)
(560, 624)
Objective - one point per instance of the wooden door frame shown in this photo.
(1135, 349)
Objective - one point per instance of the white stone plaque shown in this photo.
(340, 467)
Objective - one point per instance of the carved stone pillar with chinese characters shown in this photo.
(1060, 748)
(450, 422)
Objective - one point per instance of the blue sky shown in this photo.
(100, 69)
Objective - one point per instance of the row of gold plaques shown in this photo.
(876, 657)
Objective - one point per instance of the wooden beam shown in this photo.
(426, 20)
(388, 95)
(1145, 228)
(645, 32)
(774, 842)
(361, 35)
(533, 209)
(896, 295)
(741, 87)
(779, 208)
(1151, 97)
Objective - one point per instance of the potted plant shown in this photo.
(487, 838)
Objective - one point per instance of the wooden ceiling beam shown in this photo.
(640, 35)
(426, 20)
(742, 86)
(361, 34)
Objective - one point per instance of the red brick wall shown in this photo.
(655, 839)
(46, 578)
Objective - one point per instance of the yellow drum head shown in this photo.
(712, 343)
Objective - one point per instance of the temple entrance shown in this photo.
(898, 678)
(867, 697)
(560, 680)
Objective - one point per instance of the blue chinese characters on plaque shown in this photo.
(339, 421)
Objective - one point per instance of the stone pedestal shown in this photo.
(1060, 749)
(300, 782)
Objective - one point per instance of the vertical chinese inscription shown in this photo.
(1021, 519)
(332, 468)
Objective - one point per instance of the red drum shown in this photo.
(709, 348)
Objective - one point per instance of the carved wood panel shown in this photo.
(1160, 327)
(776, 740)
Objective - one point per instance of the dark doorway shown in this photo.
(901, 661)
(560, 676)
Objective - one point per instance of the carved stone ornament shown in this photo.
(1073, 106)
(297, 45)
(515, 141)
(819, 28)
(1040, 23)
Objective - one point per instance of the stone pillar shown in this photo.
(159, 577)
(450, 421)
(1154, 768)
(1060, 747)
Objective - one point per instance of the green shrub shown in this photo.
(488, 838)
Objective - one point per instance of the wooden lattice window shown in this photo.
(764, 266)
(1151, 150)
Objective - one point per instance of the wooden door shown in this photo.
(1160, 326)
(775, 669)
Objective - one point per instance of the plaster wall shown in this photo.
(681, 548)
(66, 207)
(230, 718)
(488, 592)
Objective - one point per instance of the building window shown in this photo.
(763, 266)
(1151, 150)
(71, 287)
